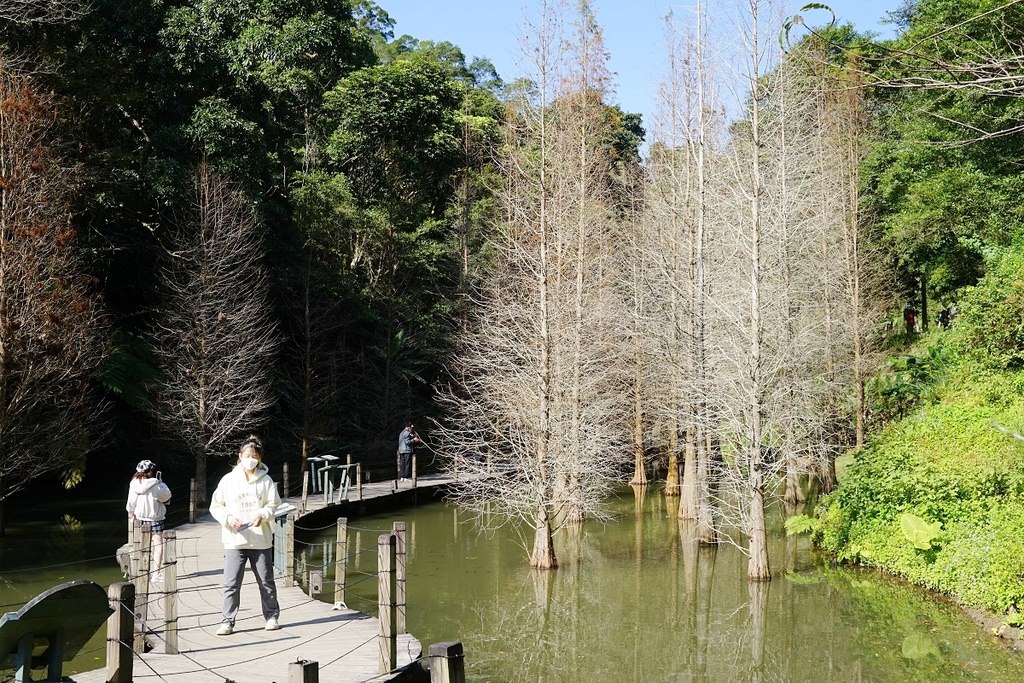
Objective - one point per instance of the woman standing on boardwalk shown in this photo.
(244, 504)
(147, 502)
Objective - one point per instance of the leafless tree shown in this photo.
(51, 326)
(41, 11)
(216, 339)
(536, 408)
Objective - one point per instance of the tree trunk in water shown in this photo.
(689, 499)
(672, 476)
(757, 566)
(794, 491)
(543, 555)
(706, 454)
(639, 470)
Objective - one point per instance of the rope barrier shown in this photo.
(345, 654)
(109, 557)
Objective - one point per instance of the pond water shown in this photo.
(637, 600)
(634, 600)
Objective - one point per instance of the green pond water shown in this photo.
(634, 600)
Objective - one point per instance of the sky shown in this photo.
(633, 33)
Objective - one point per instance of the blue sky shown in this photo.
(633, 32)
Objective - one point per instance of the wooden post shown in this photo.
(284, 480)
(289, 550)
(305, 490)
(315, 583)
(170, 570)
(359, 480)
(398, 529)
(193, 494)
(136, 540)
(304, 671)
(120, 626)
(350, 472)
(387, 638)
(447, 663)
(414, 469)
(142, 589)
(340, 563)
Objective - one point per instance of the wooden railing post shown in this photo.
(142, 588)
(414, 469)
(387, 638)
(284, 480)
(398, 529)
(136, 541)
(120, 627)
(305, 490)
(304, 671)
(447, 663)
(289, 551)
(170, 570)
(350, 472)
(340, 563)
(193, 494)
(359, 480)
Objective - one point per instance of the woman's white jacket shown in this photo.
(239, 498)
(147, 498)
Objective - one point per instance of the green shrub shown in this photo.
(989, 324)
(938, 497)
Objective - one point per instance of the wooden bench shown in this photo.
(57, 623)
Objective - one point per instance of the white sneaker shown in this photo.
(225, 629)
(272, 624)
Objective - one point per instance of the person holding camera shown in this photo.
(147, 502)
(407, 441)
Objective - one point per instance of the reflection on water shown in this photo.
(635, 600)
(639, 600)
(51, 542)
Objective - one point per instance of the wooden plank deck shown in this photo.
(343, 641)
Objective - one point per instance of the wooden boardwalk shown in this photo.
(342, 641)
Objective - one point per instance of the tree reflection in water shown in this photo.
(639, 599)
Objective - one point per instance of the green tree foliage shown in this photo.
(944, 179)
(989, 326)
(254, 69)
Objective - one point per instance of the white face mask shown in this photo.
(249, 464)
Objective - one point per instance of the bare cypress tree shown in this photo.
(51, 326)
(535, 415)
(216, 339)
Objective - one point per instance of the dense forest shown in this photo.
(278, 218)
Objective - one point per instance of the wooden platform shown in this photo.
(343, 642)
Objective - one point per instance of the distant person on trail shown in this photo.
(910, 319)
(407, 441)
(244, 504)
(945, 318)
(147, 502)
